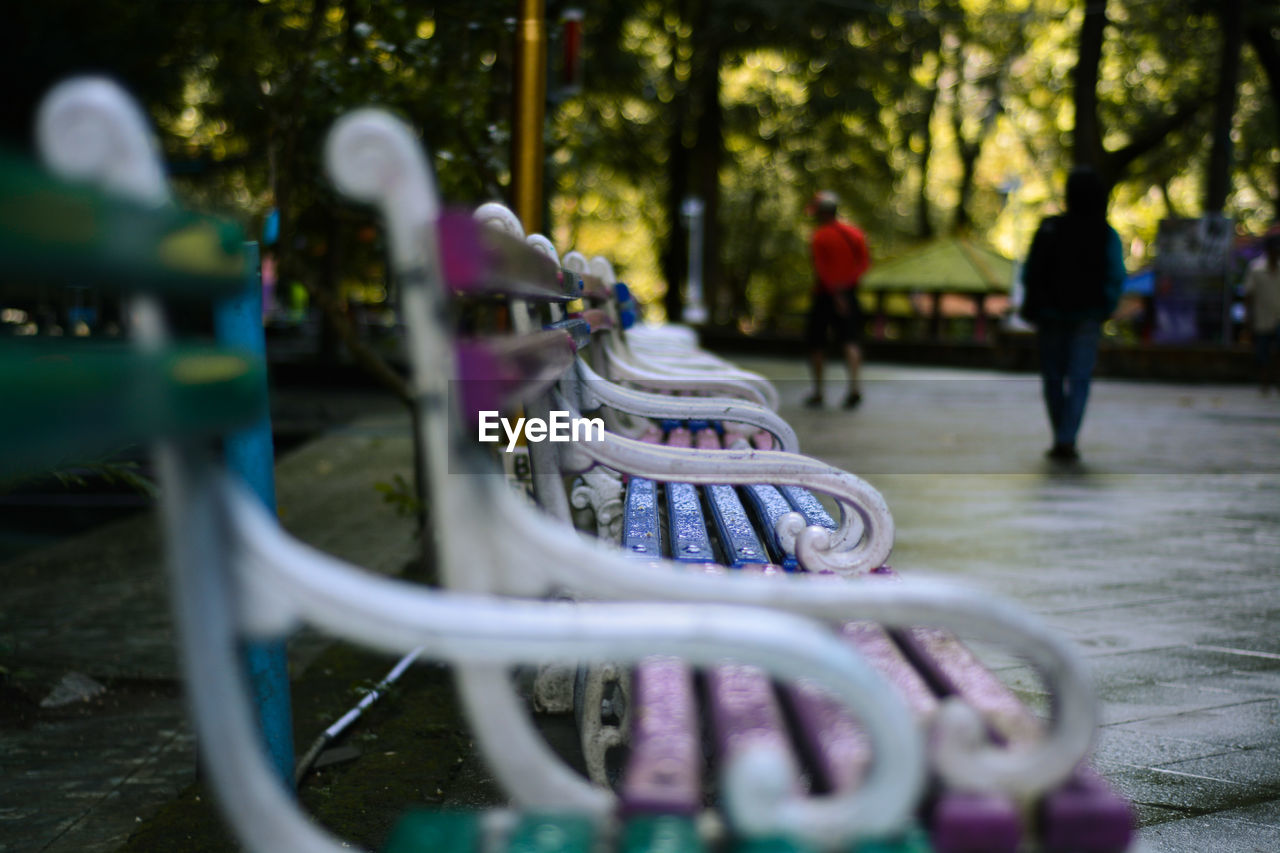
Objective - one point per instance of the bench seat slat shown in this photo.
(745, 712)
(737, 536)
(689, 540)
(768, 505)
(496, 374)
(664, 771)
(954, 670)
(641, 533)
(804, 502)
(54, 231)
(478, 259)
(69, 402)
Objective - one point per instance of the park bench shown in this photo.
(236, 576)
(981, 798)
(928, 666)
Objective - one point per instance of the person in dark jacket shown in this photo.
(1073, 278)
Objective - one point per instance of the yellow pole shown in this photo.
(529, 113)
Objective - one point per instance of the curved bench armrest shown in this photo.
(718, 384)
(283, 581)
(537, 557)
(861, 542)
(594, 391)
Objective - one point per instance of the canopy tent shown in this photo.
(946, 265)
(948, 277)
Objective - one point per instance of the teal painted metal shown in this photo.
(249, 453)
(660, 834)
(435, 832)
(552, 833)
(913, 841)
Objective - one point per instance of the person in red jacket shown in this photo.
(840, 257)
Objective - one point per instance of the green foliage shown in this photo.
(916, 113)
(400, 495)
(81, 475)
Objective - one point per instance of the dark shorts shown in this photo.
(846, 327)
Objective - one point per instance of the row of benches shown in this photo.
(895, 723)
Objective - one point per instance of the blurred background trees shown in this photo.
(926, 118)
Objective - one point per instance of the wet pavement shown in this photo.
(1159, 555)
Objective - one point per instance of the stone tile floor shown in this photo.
(1158, 554)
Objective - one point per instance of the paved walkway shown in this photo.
(82, 777)
(1158, 555)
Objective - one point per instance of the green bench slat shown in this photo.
(913, 841)
(64, 402)
(660, 834)
(435, 832)
(422, 831)
(551, 833)
(52, 231)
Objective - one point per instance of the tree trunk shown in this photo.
(962, 220)
(708, 151)
(1087, 137)
(675, 258)
(1230, 13)
(1265, 49)
(924, 225)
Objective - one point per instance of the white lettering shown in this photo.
(558, 427)
(488, 421)
(588, 425)
(512, 434)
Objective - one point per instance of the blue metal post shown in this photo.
(238, 323)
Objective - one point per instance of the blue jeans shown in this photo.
(1068, 351)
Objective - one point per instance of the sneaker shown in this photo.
(853, 399)
(813, 401)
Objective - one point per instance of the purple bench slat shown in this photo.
(744, 712)
(494, 374)
(963, 822)
(954, 670)
(835, 742)
(478, 259)
(664, 772)
(1086, 816)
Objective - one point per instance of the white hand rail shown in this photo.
(535, 559)
(591, 391)
(861, 542)
(284, 581)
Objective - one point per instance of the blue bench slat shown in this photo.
(768, 505)
(805, 503)
(741, 544)
(577, 328)
(641, 535)
(664, 771)
(689, 540)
